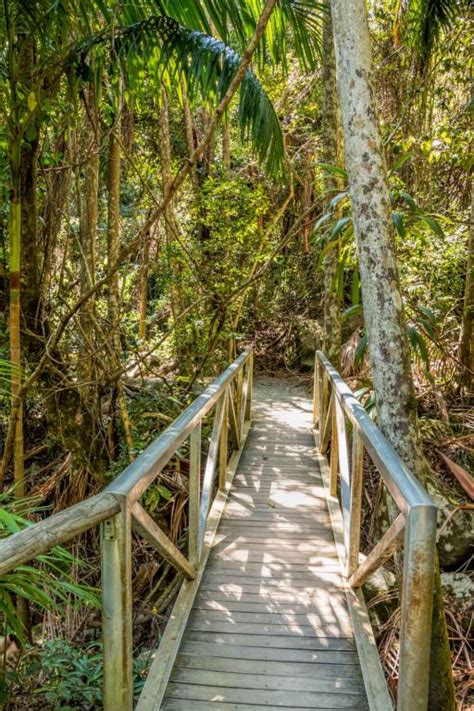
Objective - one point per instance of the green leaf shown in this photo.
(360, 351)
(401, 161)
(354, 310)
(340, 226)
(355, 288)
(433, 224)
(397, 219)
(409, 200)
(322, 220)
(32, 101)
(337, 198)
(334, 169)
(164, 492)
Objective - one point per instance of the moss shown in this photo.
(441, 692)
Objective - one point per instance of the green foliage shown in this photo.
(159, 47)
(60, 675)
(49, 585)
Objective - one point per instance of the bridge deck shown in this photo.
(270, 626)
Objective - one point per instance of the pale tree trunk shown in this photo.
(381, 293)
(113, 245)
(332, 153)
(466, 351)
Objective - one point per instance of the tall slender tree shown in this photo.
(381, 292)
(332, 153)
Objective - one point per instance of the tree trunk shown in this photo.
(381, 293)
(226, 154)
(113, 249)
(332, 153)
(171, 228)
(190, 137)
(88, 232)
(466, 351)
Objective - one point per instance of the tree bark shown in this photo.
(466, 350)
(381, 293)
(89, 214)
(332, 153)
(113, 249)
(171, 228)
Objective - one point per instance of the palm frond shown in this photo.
(236, 20)
(161, 47)
(422, 22)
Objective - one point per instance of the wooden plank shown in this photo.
(291, 608)
(267, 697)
(257, 555)
(272, 642)
(276, 570)
(184, 705)
(320, 595)
(331, 582)
(276, 539)
(247, 680)
(342, 660)
(277, 630)
(313, 618)
(151, 532)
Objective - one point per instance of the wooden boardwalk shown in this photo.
(270, 626)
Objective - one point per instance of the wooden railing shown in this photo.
(118, 510)
(343, 421)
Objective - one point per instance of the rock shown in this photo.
(380, 586)
(459, 595)
(309, 338)
(455, 526)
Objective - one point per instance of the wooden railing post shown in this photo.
(239, 383)
(416, 609)
(116, 547)
(344, 470)
(223, 443)
(334, 456)
(315, 391)
(356, 502)
(194, 494)
(248, 406)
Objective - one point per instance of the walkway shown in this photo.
(270, 625)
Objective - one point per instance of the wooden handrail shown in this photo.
(415, 526)
(117, 510)
(56, 530)
(138, 476)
